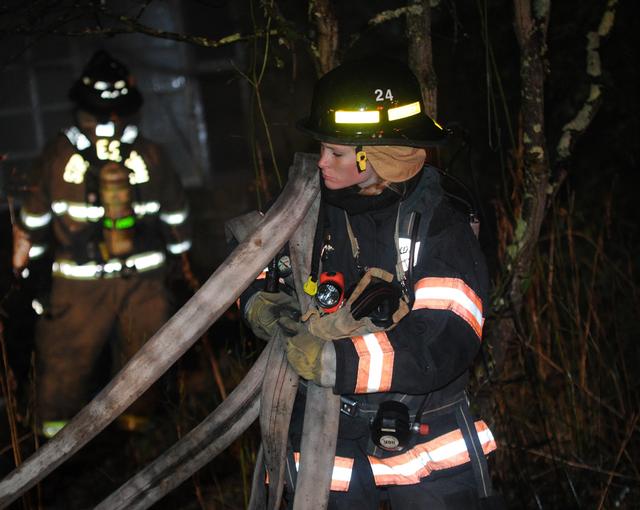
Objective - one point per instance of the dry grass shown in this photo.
(566, 407)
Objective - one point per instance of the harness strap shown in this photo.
(476, 454)
(357, 409)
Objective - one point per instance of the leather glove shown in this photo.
(265, 308)
(311, 357)
(341, 324)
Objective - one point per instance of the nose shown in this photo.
(323, 161)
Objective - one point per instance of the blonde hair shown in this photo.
(378, 187)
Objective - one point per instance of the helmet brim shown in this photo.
(437, 137)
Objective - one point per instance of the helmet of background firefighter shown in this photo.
(106, 87)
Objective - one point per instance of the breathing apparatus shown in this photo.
(116, 196)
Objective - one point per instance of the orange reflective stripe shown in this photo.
(375, 362)
(450, 294)
(341, 474)
(446, 451)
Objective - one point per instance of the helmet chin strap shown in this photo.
(361, 159)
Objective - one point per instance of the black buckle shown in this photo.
(348, 407)
(127, 271)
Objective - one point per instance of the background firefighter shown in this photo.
(112, 213)
(400, 286)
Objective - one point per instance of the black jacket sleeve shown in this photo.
(438, 340)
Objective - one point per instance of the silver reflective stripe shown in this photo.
(141, 262)
(174, 218)
(404, 246)
(37, 306)
(33, 221)
(37, 250)
(146, 261)
(107, 129)
(78, 211)
(76, 271)
(178, 248)
(129, 134)
(77, 139)
(101, 85)
(144, 208)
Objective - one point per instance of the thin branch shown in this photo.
(577, 465)
(579, 124)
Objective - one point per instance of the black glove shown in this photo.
(265, 308)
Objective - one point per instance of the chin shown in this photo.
(332, 185)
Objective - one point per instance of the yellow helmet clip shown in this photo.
(361, 159)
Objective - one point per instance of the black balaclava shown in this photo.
(351, 201)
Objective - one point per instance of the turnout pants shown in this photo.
(71, 336)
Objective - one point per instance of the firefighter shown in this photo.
(400, 289)
(112, 214)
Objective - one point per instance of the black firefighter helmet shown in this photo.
(371, 101)
(106, 87)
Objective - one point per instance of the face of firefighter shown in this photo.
(88, 122)
(339, 168)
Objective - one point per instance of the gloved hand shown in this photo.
(304, 352)
(311, 357)
(264, 309)
(341, 324)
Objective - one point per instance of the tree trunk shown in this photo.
(327, 38)
(421, 52)
(531, 30)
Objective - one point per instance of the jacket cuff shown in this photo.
(328, 365)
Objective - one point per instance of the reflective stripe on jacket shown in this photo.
(64, 198)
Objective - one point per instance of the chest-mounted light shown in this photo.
(357, 117)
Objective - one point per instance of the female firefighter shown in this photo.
(400, 288)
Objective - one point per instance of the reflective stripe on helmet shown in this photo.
(357, 117)
(402, 112)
